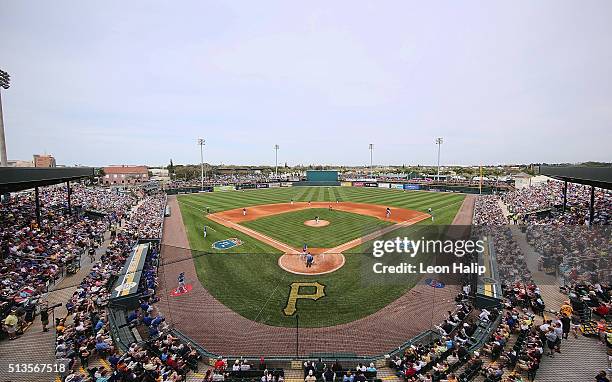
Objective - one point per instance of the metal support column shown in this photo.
(564, 195)
(297, 336)
(592, 206)
(36, 195)
(69, 195)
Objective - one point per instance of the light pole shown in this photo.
(5, 82)
(439, 143)
(201, 142)
(371, 167)
(276, 147)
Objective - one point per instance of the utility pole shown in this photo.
(276, 147)
(371, 166)
(201, 142)
(5, 82)
(439, 143)
(297, 336)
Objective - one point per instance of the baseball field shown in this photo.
(249, 233)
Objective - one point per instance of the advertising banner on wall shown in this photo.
(357, 184)
(274, 184)
(383, 185)
(224, 188)
(411, 187)
(262, 185)
(286, 184)
(370, 184)
(346, 184)
(398, 186)
(245, 186)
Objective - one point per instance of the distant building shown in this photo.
(19, 163)
(44, 160)
(159, 174)
(522, 180)
(125, 175)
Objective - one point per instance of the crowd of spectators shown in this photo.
(549, 195)
(85, 331)
(161, 357)
(145, 221)
(33, 255)
(568, 247)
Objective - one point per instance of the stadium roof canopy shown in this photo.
(600, 177)
(13, 179)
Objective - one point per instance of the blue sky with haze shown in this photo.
(136, 82)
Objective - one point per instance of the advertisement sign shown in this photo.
(411, 186)
(245, 186)
(286, 184)
(224, 188)
(357, 184)
(262, 185)
(346, 184)
(274, 184)
(398, 186)
(370, 184)
(383, 185)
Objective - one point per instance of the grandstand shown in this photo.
(117, 306)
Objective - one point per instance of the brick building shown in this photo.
(44, 160)
(125, 175)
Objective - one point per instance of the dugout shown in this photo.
(488, 287)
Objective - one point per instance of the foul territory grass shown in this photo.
(289, 227)
(248, 280)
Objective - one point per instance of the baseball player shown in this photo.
(181, 283)
(309, 260)
(204, 232)
(244, 212)
(388, 213)
(316, 219)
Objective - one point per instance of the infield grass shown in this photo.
(289, 227)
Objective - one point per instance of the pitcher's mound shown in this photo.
(323, 263)
(313, 223)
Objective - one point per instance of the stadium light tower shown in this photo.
(5, 82)
(276, 147)
(439, 143)
(201, 142)
(371, 167)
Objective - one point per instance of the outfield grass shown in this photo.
(289, 227)
(248, 280)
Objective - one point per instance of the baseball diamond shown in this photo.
(246, 286)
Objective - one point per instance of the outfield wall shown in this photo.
(486, 189)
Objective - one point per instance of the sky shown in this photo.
(137, 82)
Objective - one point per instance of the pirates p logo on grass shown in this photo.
(295, 295)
